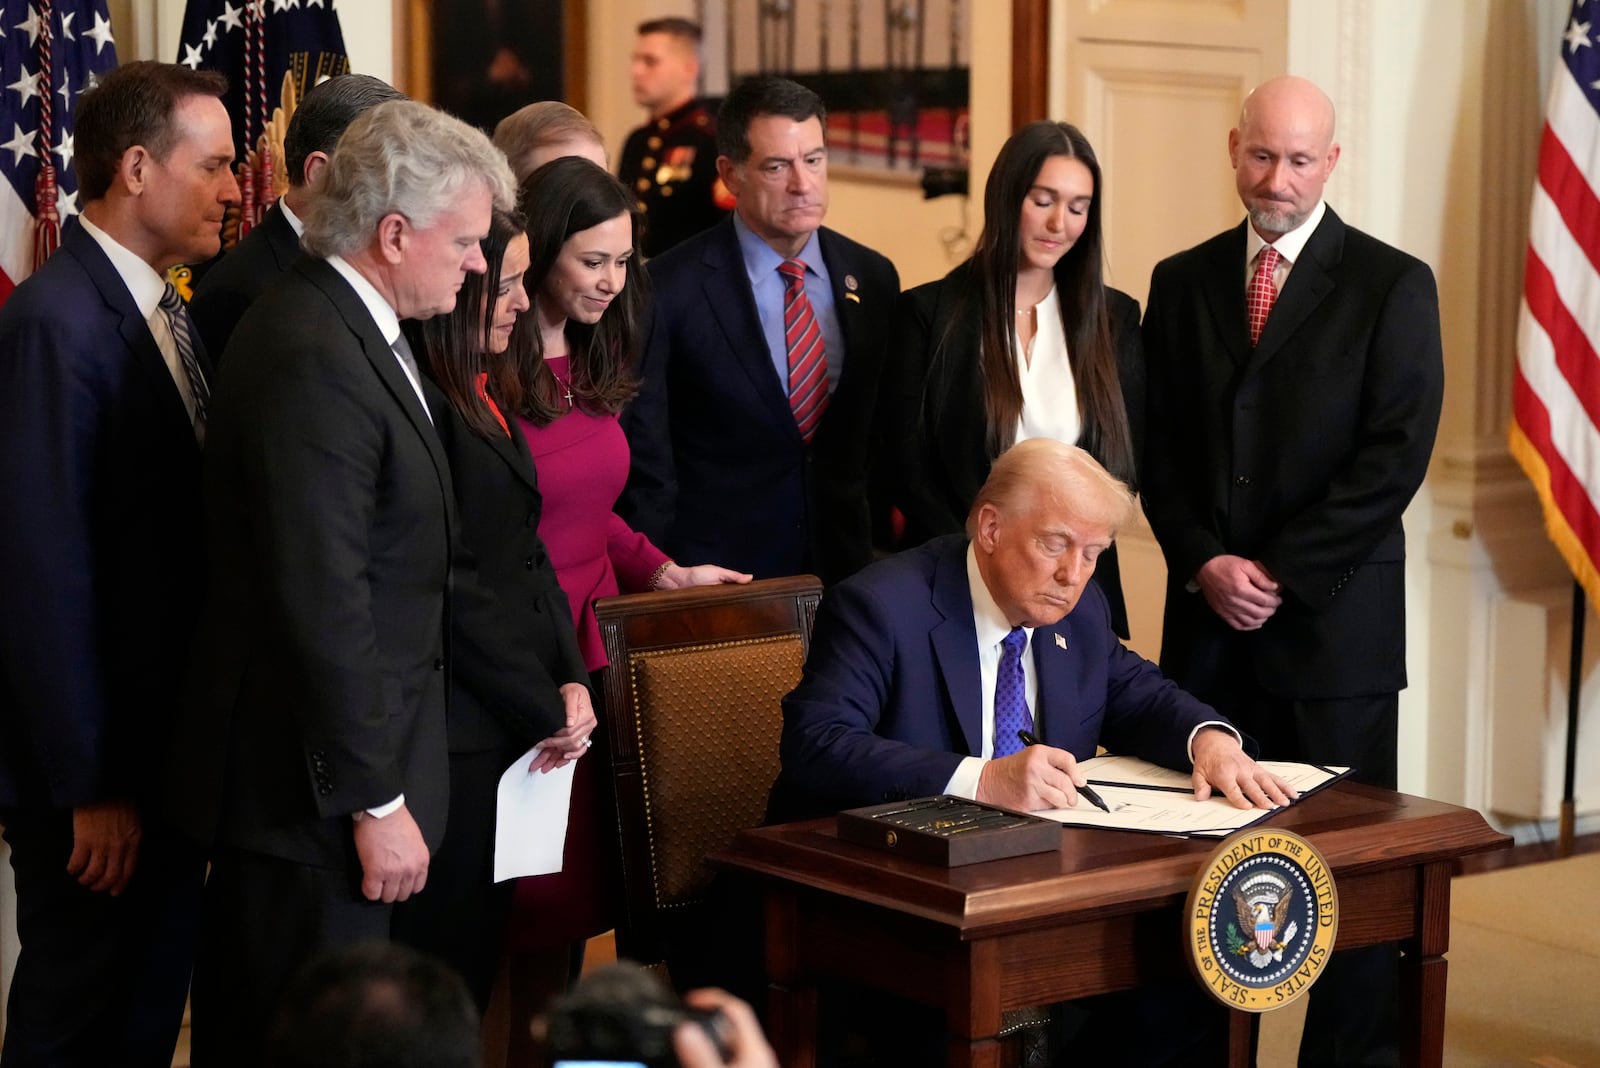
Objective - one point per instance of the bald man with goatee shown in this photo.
(1295, 376)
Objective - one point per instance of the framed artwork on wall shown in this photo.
(480, 60)
(895, 75)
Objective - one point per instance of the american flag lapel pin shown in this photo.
(1061, 641)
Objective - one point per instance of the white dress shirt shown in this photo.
(1289, 246)
(382, 314)
(991, 626)
(1049, 394)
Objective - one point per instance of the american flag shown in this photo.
(256, 43)
(50, 51)
(1555, 400)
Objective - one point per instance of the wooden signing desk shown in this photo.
(1102, 914)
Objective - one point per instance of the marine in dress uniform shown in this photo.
(670, 163)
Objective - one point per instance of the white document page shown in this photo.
(530, 827)
(1146, 797)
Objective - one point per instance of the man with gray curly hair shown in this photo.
(313, 752)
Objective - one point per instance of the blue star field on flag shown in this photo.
(254, 43)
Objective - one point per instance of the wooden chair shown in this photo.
(692, 698)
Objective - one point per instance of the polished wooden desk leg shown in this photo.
(791, 998)
(972, 1008)
(1241, 1037)
(974, 1053)
(1424, 970)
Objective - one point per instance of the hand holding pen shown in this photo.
(1036, 777)
(1029, 738)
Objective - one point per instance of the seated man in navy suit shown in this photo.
(911, 688)
(899, 696)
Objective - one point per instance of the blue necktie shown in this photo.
(1010, 695)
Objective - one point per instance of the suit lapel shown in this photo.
(1223, 285)
(1054, 667)
(513, 449)
(852, 303)
(378, 353)
(955, 643)
(733, 305)
(1310, 281)
(131, 326)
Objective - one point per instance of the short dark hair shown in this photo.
(764, 94)
(375, 1005)
(324, 113)
(132, 105)
(686, 29)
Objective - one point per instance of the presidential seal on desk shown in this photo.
(1260, 919)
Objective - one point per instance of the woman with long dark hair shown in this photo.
(1023, 340)
(517, 678)
(571, 373)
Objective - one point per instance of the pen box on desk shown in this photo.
(949, 831)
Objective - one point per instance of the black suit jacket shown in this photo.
(319, 686)
(720, 473)
(512, 641)
(237, 279)
(100, 553)
(1301, 453)
(933, 434)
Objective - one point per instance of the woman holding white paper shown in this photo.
(517, 677)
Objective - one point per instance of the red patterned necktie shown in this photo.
(808, 363)
(1261, 292)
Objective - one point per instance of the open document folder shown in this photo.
(1145, 797)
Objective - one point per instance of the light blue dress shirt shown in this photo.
(766, 284)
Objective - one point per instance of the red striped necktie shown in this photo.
(808, 362)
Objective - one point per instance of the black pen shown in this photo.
(1029, 738)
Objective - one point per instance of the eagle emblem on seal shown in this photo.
(1262, 906)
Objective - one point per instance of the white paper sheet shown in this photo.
(1144, 797)
(530, 827)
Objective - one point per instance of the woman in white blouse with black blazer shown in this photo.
(1023, 340)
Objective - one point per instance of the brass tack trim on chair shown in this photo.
(638, 685)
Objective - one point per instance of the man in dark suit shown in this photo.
(750, 431)
(923, 666)
(228, 288)
(313, 751)
(900, 696)
(1296, 377)
(102, 417)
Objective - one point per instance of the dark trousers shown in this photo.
(461, 914)
(1352, 1017)
(264, 919)
(100, 980)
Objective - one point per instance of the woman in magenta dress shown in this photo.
(570, 376)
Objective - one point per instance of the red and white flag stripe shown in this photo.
(1555, 405)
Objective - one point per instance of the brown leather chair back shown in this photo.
(692, 698)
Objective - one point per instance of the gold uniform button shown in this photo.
(648, 162)
(641, 205)
(666, 190)
(662, 124)
(642, 184)
(653, 143)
